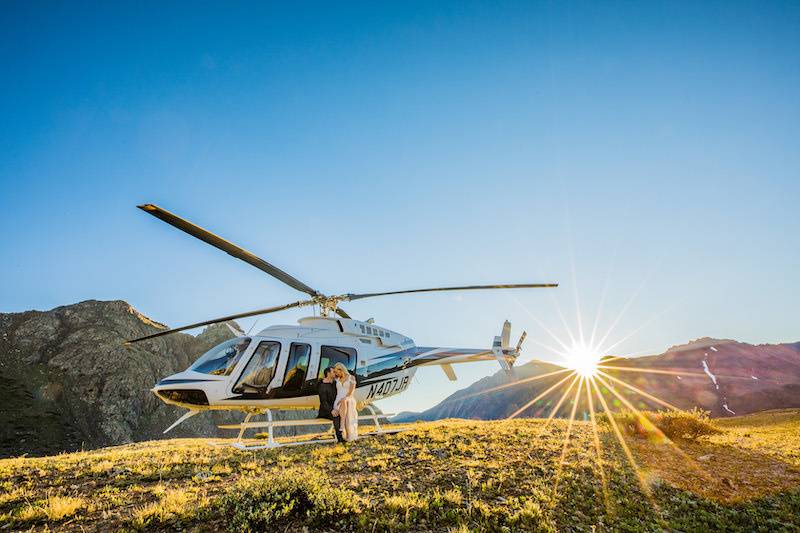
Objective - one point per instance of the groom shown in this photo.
(327, 395)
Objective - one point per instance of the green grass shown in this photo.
(440, 476)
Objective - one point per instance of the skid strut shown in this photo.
(270, 423)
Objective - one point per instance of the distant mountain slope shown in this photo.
(728, 377)
(724, 377)
(493, 405)
(67, 381)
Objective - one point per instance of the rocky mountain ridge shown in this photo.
(67, 381)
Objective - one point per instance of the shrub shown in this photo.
(637, 425)
(54, 509)
(173, 506)
(686, 424)
(408, 505)
(60, 507)
(296, 496)
(689, 425)
(530, 517)
(435, 507)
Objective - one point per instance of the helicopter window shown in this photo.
(330, 355)
(362, 328)
(296, 367)
(387, 365)
(221, 359)
(260, 369)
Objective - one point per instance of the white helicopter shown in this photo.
(281, 366)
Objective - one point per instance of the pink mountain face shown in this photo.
(724, 377)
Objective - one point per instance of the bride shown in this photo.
(345, 402)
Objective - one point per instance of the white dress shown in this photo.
(347, 408)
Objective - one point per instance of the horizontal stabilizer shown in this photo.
(449, 372)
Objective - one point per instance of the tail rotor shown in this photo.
(502, 350)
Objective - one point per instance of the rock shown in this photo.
(705, 457)
(202, 476)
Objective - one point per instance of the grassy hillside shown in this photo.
(447, 475)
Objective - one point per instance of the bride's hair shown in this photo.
(340, 366)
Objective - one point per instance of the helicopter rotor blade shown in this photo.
(227, 247)
(265, 311)
(352, 297)
(342, 313)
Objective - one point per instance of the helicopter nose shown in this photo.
(184, 389)
(188, 377)
(167, 382)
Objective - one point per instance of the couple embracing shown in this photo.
(337, 402)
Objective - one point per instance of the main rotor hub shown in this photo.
(327, 304)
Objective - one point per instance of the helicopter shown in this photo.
(281, 366)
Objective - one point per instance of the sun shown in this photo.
(583, 359)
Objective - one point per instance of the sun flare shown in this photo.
(586, 369)
(583, 359)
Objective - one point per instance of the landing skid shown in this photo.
(270, 424)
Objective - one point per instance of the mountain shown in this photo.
(724, 377)
(67, 382)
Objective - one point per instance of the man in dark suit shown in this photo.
(327, 395)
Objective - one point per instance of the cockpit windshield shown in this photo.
(222, 358)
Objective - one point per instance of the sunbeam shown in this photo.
(567, 435)
(618, 433)
(598, 453)
(583, 359)
(541, 325)
(540, 396)
(668, 372)
(586, 364)
(652, 428)
(511, 384)
(555, 409)
(639, 391)
(622, 313)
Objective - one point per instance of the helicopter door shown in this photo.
(294, 377)
(330, 355)
(256, 377)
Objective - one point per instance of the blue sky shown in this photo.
(645, 151)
